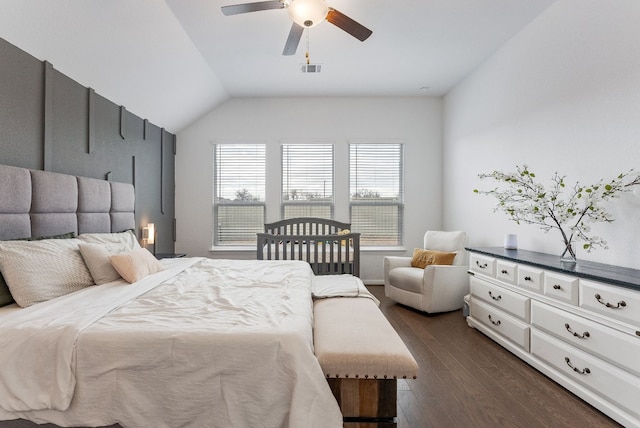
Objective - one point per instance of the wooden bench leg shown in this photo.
(365, 399)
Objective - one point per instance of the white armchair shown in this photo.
(436, 288)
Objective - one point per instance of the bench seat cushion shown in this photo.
(353, 339)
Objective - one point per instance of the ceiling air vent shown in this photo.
(310, 68)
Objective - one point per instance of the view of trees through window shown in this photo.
(307, 189)
(376, 192)
(307, 180)
(239, 193)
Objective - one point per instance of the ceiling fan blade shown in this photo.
(347, 24)
(293, 40)
(236, 9)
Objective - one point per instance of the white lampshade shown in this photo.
(151, 230)
(308, 13)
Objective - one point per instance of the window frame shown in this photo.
(215, 232)
(399, 203)
(330, 203)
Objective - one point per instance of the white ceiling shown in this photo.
(172, 61)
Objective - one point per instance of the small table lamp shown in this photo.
(149, 236)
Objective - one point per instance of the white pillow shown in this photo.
(135, 264)
(96, 257)
(127, 238)
(36, 271)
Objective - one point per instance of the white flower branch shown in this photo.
(528, 201)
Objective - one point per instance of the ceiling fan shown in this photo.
(305, 14)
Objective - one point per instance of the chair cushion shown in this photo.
(423, 258)
(407, 278)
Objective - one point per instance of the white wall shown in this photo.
(417, 121)
(563, 95)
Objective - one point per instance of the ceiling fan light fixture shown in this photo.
(308, 13)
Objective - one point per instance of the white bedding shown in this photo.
(222, 344)
(325, 286)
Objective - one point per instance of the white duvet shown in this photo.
(217, 343)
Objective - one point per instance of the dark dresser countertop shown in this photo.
(616, 275)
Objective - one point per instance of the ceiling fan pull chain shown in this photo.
(307, 54)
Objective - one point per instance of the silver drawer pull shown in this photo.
(481, 266)
(494, 322)
(527, 278)
(584, 371)
(557, 287)
(579, 336)
(494, 297)
(620, 304)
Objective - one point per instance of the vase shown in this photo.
(568, 255)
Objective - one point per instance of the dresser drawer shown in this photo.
(530, 278)
(514, 330)
(508, 301)
(482, 264)
(561, 287)
(610, 382)
(616, 347)
(506, 271)
(611, 301)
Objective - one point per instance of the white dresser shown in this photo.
(577, 324)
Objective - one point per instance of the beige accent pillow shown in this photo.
(135, 264)
(423, 258)
(96, 257)
(36, 271)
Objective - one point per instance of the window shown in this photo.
(376, 192)
(307, 180)
(239, 193)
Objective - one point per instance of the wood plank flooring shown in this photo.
(467, 380)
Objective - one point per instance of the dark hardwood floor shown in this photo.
(467, 380)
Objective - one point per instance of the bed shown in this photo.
(190, 342)
(327, 245)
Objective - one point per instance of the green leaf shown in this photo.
(586, 246)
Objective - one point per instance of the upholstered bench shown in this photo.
(362, 357)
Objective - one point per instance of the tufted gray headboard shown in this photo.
(42, 203)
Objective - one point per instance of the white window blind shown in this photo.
(307, 180)
(376, 192)
(239, 193)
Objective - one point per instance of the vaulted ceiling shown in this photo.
(172, 61)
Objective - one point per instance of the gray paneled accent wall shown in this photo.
(48, 121)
